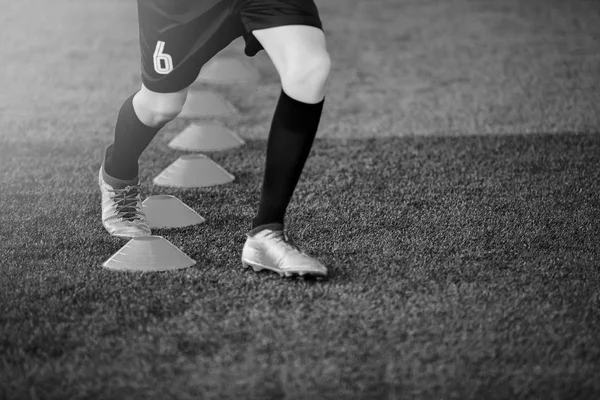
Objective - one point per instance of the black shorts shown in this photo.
(177, 37)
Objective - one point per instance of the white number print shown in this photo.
(163, 63)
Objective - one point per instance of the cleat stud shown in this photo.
(256, 268)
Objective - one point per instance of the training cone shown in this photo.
(148, 253)
(207, 136)
(237, 46)
(165, 211)
(194, 170)
(227, 69)
(206, 103)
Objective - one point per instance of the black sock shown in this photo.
(131, 139)
(292, 133)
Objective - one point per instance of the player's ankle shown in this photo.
(119, 177)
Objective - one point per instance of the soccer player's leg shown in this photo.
(140, 118)
(303, 63)
(300, 56)
(173, 50)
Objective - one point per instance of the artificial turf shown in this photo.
(460, 268)
(453, 191)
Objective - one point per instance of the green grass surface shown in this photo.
(453, 192)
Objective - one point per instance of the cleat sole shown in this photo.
(304, 275)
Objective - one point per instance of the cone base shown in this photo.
(192, 171)
(148, 254)
(206, 103)
(208, 136)
(166, 212)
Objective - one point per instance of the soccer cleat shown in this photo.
(122, 213)
(272, 249)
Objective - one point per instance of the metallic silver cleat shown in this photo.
(272, 249)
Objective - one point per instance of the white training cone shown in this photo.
(194, 170)
(208, 136)
(148, 253)
(236, 46)
(165, 211)
(227, 69)
(206, 103)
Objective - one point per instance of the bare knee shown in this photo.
(306, 78)
(157, 109)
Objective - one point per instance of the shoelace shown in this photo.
(127, 204)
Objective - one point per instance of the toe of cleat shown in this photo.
(129, 234)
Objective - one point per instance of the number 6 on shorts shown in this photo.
(163, 63)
